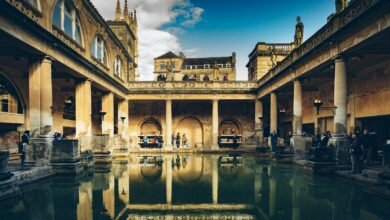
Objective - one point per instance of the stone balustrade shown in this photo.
(193, 86)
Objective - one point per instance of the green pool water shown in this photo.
(194, 187)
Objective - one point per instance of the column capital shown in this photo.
(47, 59)
(339, 58)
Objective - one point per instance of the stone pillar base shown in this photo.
(342, 147)
(168, 147)
(65, 157)
(120, 147)
(301, 146)
(38, 152)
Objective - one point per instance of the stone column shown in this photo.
(259, 132)
(297, 120)
(108, 108)
(34, 81)
(46, 98)
(298, 142)
(339, 138)
(40, 112)
(215, 179)
(168, 179)
(274, 113)
(215, 122)
(168, 121)
(340, 98)
(84, 114)
(123, 118)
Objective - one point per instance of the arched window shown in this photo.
(9, 98)
(66, 19)
(118, 67)
(35, 3)
(98, 49)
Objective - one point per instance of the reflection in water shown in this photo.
(200, 187)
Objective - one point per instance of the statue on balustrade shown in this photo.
(299, 27)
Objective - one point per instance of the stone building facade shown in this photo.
(80, 80)
(175, 67)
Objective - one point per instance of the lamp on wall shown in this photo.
(318, 104)
(123, 118)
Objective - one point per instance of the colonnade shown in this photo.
(340, 105)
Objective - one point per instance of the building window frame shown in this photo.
(98, 49)
(66, 19)
(206, 66)
(118, 70)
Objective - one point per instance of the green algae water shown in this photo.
(148, 186)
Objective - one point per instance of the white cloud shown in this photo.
(152, 15)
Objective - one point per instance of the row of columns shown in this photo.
(340, 102)
(40, 111)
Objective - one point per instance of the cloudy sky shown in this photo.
(216, 27)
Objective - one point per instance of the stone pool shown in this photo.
(147, 186)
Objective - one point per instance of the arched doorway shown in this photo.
(230, 126)
(193, 129)
(150, 126)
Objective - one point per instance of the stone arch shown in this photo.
(228, 125)
(151, 174)
(150, 126)
(192, 170)
(193, 128)
(9, 88)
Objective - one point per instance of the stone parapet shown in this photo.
(191, 86)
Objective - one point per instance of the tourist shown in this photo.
(317, 140)
(184, 140)
(173, 138)
(145, 139)
(57, 136)
(178, 140)
(324, 140)
(287, 141)
(374, 144)
(206, 78)
(225, 77)
(274, 141)
(365, 140)
(25, 142)
(356, 154)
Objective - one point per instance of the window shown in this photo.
(207, 66)
(65, 18)
(34, 3)
(98, 49)
(173, 65)
(162, 65)
(220, 65)
(228, 65)
(118, 67)
(4, 105)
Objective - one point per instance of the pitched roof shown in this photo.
(169, 55)
(208, 60)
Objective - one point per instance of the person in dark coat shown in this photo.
(274, 141)
(178, 140)
(356, 154)
(25, 142)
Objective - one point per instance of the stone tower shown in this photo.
(125, 27)
(341, 5)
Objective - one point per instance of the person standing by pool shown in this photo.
(173, 139)
(184, 139)
(356, 154)
(274, 141)
(25, 142)
(178, 140)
